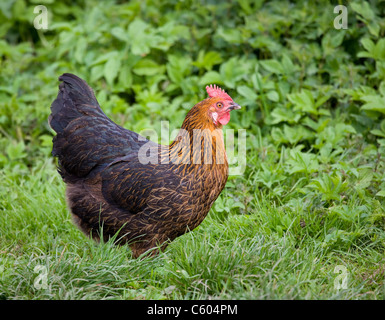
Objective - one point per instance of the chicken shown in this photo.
(113, 188)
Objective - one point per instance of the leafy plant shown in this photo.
(313, 106)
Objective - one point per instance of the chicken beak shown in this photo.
(234, 106)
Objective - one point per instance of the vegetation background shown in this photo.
(305, 221)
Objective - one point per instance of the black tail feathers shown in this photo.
(74, 94)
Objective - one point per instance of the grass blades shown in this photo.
(236, 257)
(305, 220)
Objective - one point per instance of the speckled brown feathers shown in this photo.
(109, 189)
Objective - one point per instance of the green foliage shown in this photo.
(313, 105)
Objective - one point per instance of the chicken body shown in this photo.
(111, 190)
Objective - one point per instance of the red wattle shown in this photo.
(224, 119)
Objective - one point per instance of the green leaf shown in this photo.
(363, 9)
(273, 96)
(125, 77)
(232, 35)
(148, 67)
(178, 67)
(97, 72)
(365, 178)
(280, 114)
(111, 69)
(374, 28)
(232, 71)
(272, 66)
(302, 162)
(245, 5)
(380, 193)
(368, 44)
(80, 50)
(105, 57)
(238, 204)
(381, 89)
(16, 151)
(375, 51)
(377, 132)
(207, 60)
(120, 34)
(303, 101)
(287, 64)
(321, 101)
(374, 103)
(142, 37)
(211, 77)
(247, 92)
(296, 133)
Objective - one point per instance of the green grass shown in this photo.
(232, 257)
(311, 200)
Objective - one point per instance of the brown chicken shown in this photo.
(120, 184)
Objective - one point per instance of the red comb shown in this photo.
(214, 91)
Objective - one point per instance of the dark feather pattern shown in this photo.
(146, 205)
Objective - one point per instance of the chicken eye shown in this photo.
(219, 104)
